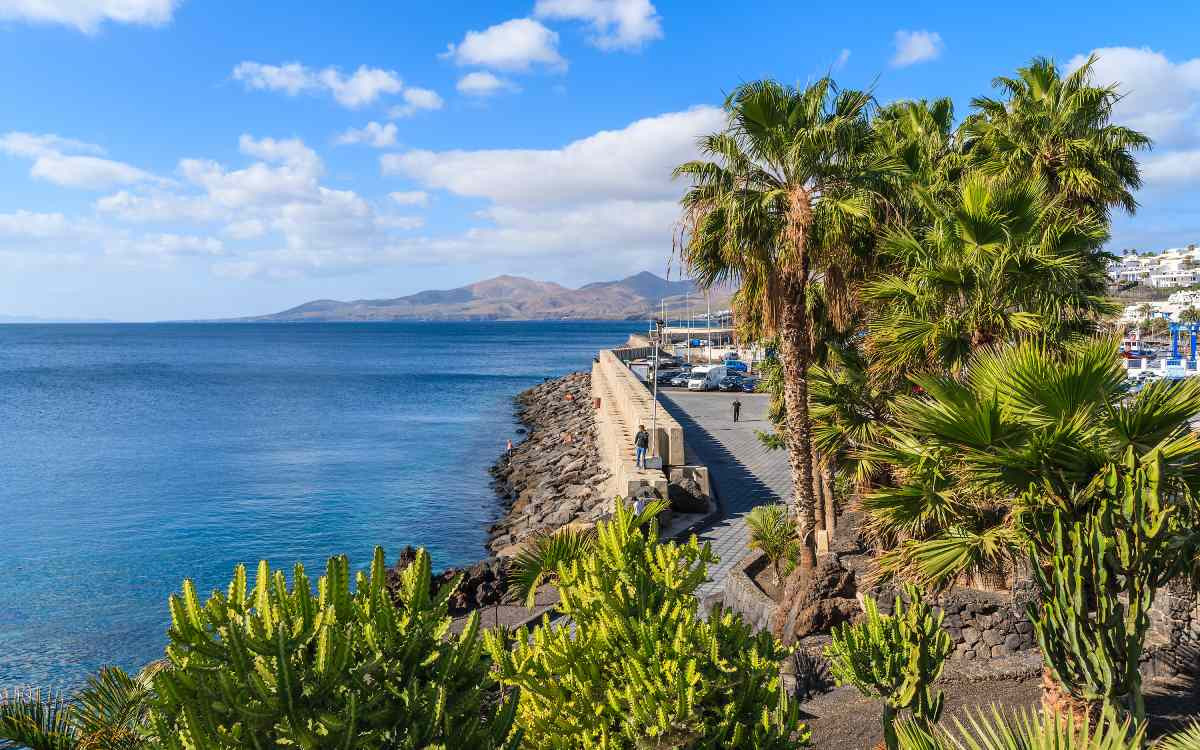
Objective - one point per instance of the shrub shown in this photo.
(895, 659)
(279, 666)
(635, 666)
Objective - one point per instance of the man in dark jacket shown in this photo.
(641, 442)
(737, 409)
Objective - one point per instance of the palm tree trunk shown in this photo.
(793, 335)
(830, 505)
(819, 500)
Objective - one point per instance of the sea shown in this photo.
(133, 456)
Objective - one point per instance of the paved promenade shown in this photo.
(742, 470)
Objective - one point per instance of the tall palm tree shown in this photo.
(1058, 130)
(109, 713)
(783, 190)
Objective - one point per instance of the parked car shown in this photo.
(666, 376)
(681, 380)
(749, 385)
(730, 383)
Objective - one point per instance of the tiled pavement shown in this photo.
(743, 472)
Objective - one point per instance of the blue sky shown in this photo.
(163, 159)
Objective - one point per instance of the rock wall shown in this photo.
(553, 477)
(983, 625)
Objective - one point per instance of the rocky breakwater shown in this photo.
(553, 477)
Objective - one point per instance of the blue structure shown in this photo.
(1192, 329)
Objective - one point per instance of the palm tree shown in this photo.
(967, 452)
(110, 712)
(996, 266)
(1189, 314)
(1059, 131)
(784, 190)
(773, 533)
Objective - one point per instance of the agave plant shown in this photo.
(1023, 730)
(538, 563)
(109, 713)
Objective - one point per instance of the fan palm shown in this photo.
(109, 713)
(1057, 130)
(966, 453)
(773, 533)
(784, 190)
(995, 268)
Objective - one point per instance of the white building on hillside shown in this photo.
(1176, 267)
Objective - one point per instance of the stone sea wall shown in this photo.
(554, 476)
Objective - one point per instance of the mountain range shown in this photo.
(516, 298)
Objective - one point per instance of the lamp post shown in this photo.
(656, 336)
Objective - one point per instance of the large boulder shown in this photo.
(816, 603)
(687, 496)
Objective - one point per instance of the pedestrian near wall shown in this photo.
(641, 441)
(737, 409)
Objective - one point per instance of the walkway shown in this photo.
(743, 472)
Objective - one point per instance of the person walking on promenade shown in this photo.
(737, 409)
(641, 441)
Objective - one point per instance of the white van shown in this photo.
(706, 378)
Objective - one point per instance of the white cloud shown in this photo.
(416, 100)
(401, 222)
(606, 202)
(410, 198)
(88, 15)
(632, 163)
(30, 225)
(246, 229)
(362, 87)
(916, 46)
(515, 45)
(483, 83)
(373, 134)
(842, 58)
(71, 163)
(164, 246)
(616, 24)
(1159, 97)
(1172, 168)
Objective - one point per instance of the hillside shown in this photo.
(513, 298)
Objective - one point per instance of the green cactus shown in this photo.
(635, 666)
(894, 658)
(281, 667)
(1098, 587)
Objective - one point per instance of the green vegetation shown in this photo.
(636, 666)
(543, 556)
(277, 666)
(894, 658)
(773, 533)
(109, 713)
(1100, 582)
(1025, 731)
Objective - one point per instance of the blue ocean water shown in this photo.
(133, 456)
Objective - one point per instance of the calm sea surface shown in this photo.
(133, 456)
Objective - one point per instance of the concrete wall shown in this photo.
(634, 405)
